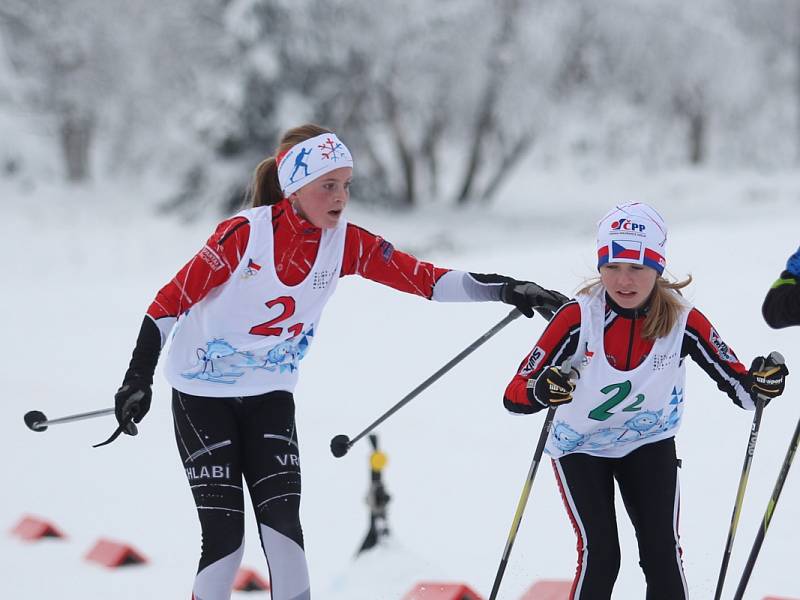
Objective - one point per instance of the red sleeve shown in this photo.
(717, 359)
(558, 342)
(210, 267)
(374, 258)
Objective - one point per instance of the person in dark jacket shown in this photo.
(781, 307)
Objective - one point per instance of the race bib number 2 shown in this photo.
(287, 305)
(619, 393)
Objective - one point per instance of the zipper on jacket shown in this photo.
(630, 339)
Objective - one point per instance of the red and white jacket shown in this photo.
(625, 349)
(296, 243)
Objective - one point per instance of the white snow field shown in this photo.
(81, 266)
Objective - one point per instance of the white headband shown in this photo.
(311, 159)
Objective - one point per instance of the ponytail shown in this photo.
(264, 188)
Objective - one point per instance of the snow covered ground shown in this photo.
(81, 266)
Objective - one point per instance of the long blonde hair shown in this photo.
(265, 188)
(665, 306)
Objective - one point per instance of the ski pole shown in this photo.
(773, 502)
(340, 444)
(777, 359)
(37, 421)
(523, 500)
(737, 506)
(526, 491)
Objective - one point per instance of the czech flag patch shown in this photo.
(626, 250)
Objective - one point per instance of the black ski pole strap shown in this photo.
(117, 432)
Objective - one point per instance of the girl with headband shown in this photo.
(629, 333)
(245, 310)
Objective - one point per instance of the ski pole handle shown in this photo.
(566, 368)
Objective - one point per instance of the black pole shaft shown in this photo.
(737, 505)
(773, 502)
(425, 384)
(523, 500)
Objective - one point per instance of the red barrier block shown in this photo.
(33, 528)
(114, 554)
(441, 591)
(781, 598)
(548, 589)
(248, 580)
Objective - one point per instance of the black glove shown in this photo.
(768, 376)
(553, 387)
(131, 403)
(526, 295)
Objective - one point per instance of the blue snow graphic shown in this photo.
(644, 421)
(220, 362)
(604, 438)
(565, 438)
(677, 396)
(638, 427)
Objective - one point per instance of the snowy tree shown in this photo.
(682, 68)
(437, 100)
(418, 90)
(111, 71)
(775, 27)
(69, 54)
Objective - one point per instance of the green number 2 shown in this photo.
(619, 392)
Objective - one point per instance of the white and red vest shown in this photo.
(247, 336)
(614, 412)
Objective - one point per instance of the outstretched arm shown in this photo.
(376, 259)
